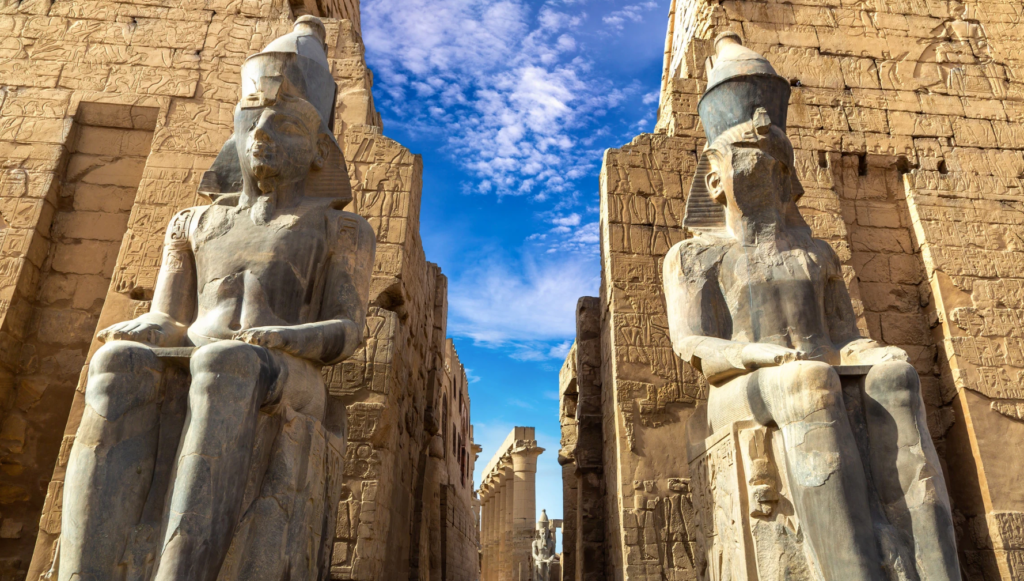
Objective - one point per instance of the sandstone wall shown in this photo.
(906, 119)
(568, 397)
(109, 113)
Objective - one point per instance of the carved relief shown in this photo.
(369, 367)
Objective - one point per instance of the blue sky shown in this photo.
(511, 103)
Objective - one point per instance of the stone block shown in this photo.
(85, 257)
(91, 226)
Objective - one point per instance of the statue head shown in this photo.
(283, 124)
(747, 166)
(751, 170)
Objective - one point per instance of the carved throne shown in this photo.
(748, 528)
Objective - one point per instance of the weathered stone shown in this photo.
(508, 499)
(912, 181)
(110, 116)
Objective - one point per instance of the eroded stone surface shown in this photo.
(172, 71)
(509, 506)
(263, 288)
(898, 115)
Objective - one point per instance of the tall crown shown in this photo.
(299, 59)
(740, 82)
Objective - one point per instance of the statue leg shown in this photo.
(229, 384)
(111, 464)
(825, 471)
(906, 469)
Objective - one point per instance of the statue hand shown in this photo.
(282, 338)
(134, 330)
(757, 355)
(879, 354)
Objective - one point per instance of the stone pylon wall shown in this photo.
(109, 114)
(906, 120)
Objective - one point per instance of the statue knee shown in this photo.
(218, 368)
(894, 384)
(809, 387)
(123, 375)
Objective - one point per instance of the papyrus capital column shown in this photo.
(524, 518)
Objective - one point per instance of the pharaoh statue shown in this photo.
(544, 549)
(227, 474)
(762, 310)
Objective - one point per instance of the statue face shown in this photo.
(280, 142)
(749, 180)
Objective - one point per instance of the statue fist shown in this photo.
(134, 330)
(756, 355)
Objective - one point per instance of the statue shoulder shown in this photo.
(699, 254)
(183, 224)
(827, 254)
(352, 230)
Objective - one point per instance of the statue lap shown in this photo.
(135, 394)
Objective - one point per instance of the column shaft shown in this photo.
(507, 539)
(524, 516)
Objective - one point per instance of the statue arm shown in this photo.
(344, 293)
(699, 321)
(344, 290)
(347, 289)
(174, 297)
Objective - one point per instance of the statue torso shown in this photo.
(777, 294)
(251, 275)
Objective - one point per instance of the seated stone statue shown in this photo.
(762, 310)
(266, 285)
(544, 555)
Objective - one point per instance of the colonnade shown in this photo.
(508, 514)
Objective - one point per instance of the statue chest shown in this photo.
(267, 273)
(775, 297)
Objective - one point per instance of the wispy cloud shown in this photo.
(531, 312)
(631, 13)
(504, 84)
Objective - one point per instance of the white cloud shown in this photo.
(652, 97)
(560, 351)
(500, 82)
(530, 312)
(470, 376)
(631, 13)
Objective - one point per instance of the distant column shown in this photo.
(485, 521)
(508, 472)
(524, 518)
(497, 539)
(492, 529)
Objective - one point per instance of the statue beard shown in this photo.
(262, 210)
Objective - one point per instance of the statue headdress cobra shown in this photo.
(745, 98)
(295, 64)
